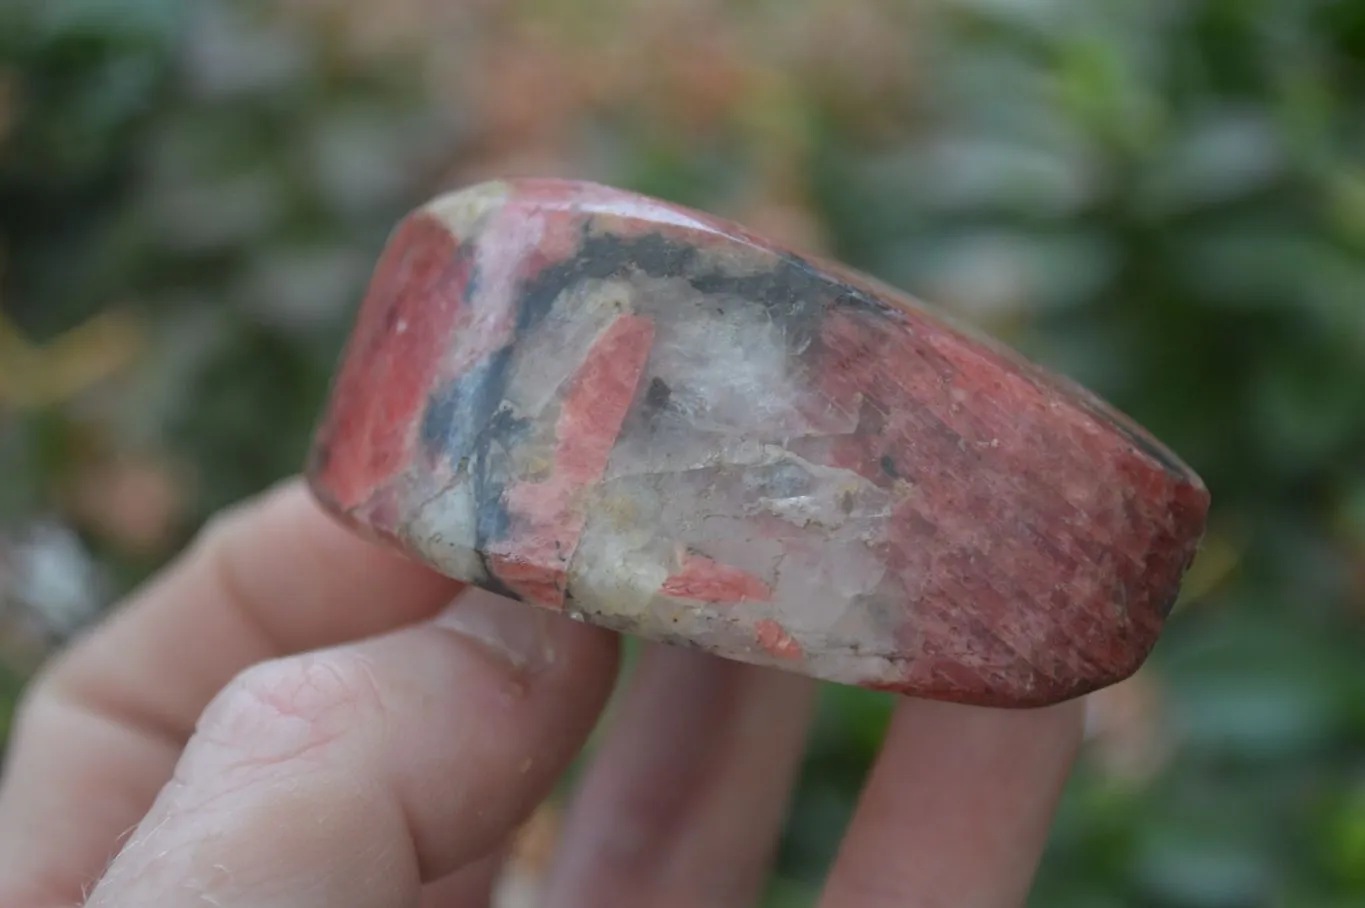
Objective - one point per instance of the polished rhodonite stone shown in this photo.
(658, 422)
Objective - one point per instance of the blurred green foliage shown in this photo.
(1165, 200)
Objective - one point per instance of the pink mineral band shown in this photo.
(660, 423)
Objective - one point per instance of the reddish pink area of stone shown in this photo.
(775, 640)
(395, 352)
(706, 580)
(981, 440)
(547, 516)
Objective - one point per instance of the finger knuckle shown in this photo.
(223, 525)
(223, 533)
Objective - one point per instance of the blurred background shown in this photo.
(1163, 199)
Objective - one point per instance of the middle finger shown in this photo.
(684, 802)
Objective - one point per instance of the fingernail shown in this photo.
(522, 635)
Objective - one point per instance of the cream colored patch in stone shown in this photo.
(462, 212)
(616, 568)
(443, 532)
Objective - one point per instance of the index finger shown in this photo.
(99, 732)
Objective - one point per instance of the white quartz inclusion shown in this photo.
(701, 471)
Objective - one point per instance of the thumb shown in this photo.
(354, 775)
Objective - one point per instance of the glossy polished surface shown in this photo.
(661, 423)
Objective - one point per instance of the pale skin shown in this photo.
(289, 717)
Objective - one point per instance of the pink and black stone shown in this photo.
(658, 422)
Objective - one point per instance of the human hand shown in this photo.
(289, 716)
